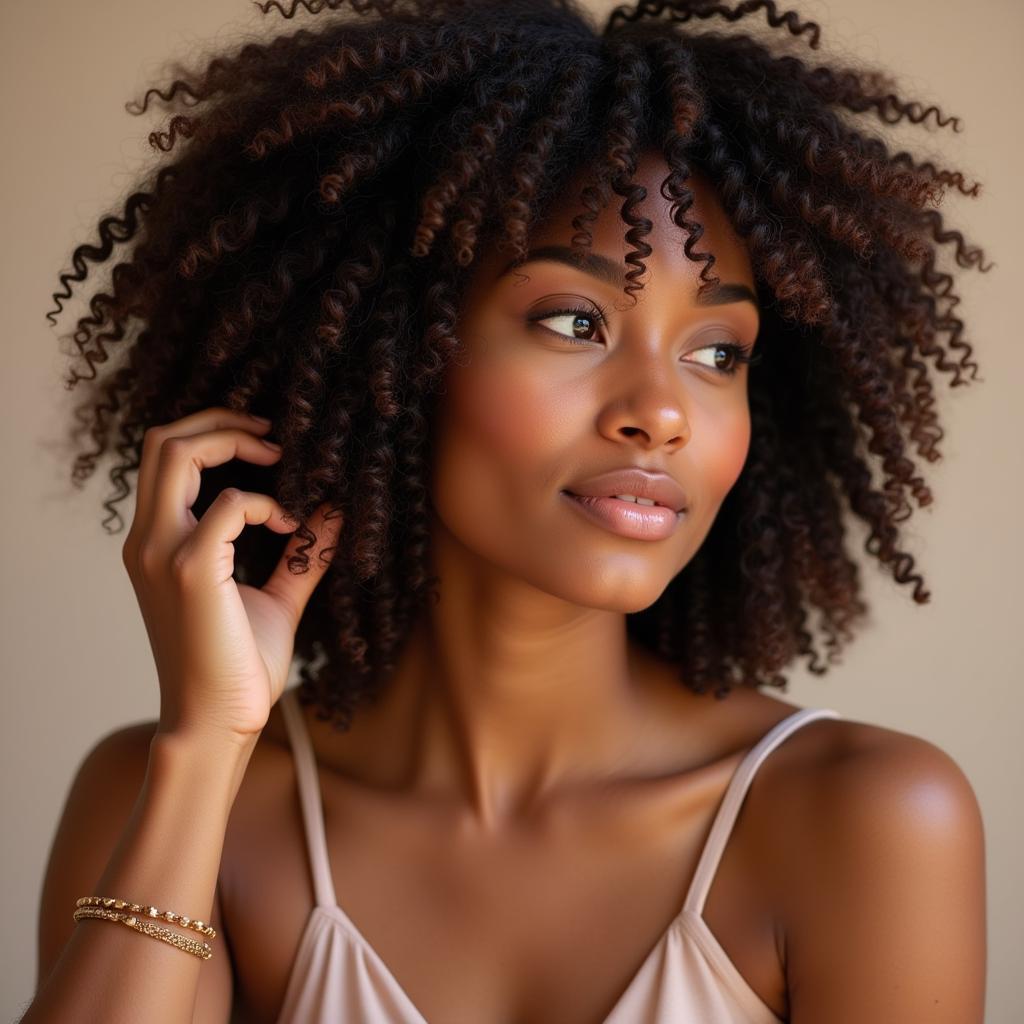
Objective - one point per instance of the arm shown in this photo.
(144, 820)
(222, 651)
(888, 907)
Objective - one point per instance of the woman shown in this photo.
(578, 344)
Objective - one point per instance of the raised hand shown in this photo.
(222, 648)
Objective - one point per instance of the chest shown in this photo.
(548, 924)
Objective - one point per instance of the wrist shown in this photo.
(208, 754)
(204, 739)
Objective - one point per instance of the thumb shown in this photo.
(294, 590)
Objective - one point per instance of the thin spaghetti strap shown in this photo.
(732, 801)
(309, 798)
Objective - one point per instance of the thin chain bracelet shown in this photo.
(199, 949)
(134, 908)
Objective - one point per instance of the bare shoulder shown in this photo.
(854, 778)
(842, 760)
(880, 882)
(119, 758)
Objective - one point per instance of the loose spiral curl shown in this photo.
(303, 252)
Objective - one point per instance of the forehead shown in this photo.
(667, 265)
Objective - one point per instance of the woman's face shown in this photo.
(541, 400)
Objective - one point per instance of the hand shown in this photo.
(222, 649)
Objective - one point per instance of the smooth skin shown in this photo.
(515, 822)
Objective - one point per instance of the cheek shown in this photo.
(726, 451)
(505, 412)
(496, 448)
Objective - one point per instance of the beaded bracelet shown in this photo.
(129, 914)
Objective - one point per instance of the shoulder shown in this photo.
(855, 795)
(855, 780)
(880, 881)
(119, 757)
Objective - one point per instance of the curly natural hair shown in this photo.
(304, 254)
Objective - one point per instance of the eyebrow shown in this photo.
(611, 273)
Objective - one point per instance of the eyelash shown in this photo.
(741, 354)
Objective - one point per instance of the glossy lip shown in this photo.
(627, 518)
(659, 487)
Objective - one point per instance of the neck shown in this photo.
(502, 697)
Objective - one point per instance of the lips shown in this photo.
(658, 487)
(627, 518)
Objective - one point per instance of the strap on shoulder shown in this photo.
(729, 808)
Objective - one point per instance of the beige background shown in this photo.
(76, 658)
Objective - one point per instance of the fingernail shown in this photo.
(260, 419)
(270, 444)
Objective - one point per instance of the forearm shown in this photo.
(168, 856)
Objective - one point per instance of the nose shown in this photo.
(652, 415)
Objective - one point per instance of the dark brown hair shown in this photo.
(303, 252)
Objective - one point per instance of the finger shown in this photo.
(206, 419)
(181, 462)
(211, 544)
(294, 590)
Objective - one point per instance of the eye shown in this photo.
(735, 355)
(575, 317)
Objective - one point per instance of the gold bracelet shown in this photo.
(167, 915)
(199, 949)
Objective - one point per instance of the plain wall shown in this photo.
(77, 662)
